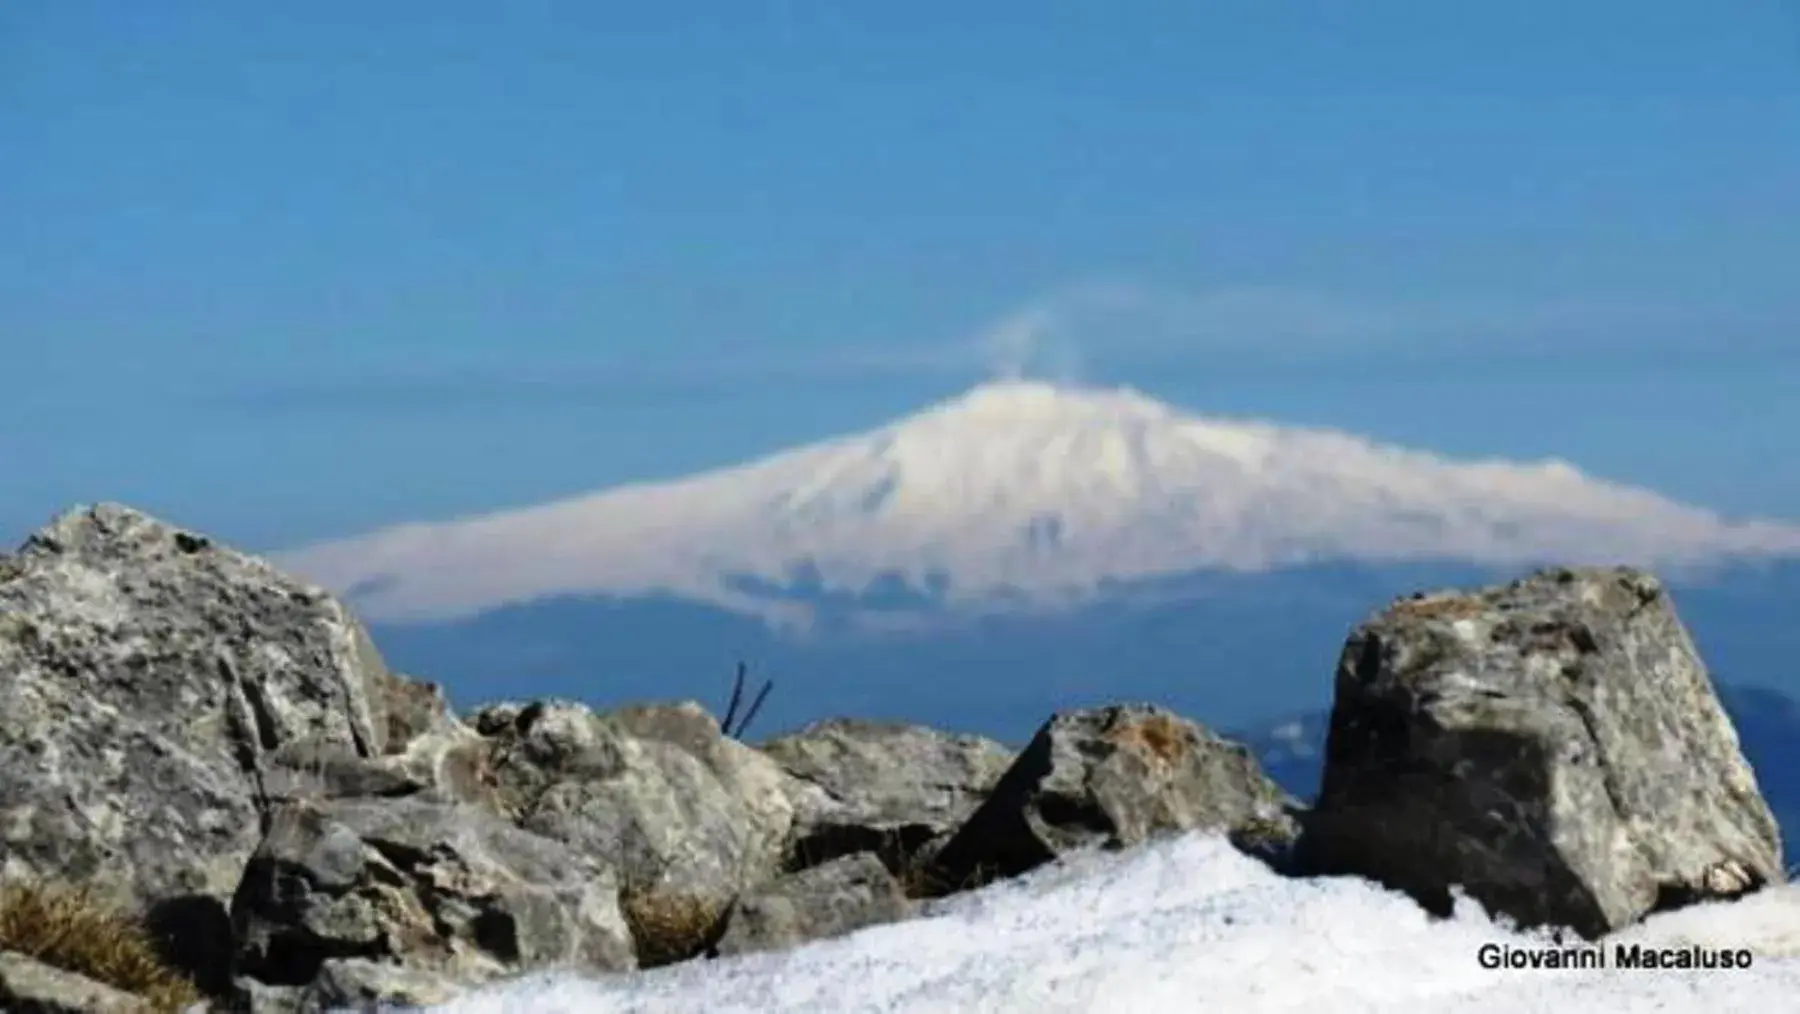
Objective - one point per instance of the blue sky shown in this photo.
(285, 274)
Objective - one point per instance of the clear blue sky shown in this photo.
(289, 271)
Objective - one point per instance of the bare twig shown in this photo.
(755, 706)
(731, 726)
(737, 696)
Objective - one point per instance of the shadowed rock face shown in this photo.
(1767, 721)
(891, 789)
(655, 791)
(444, 889)
(1554, 745)
(834, 898)
(1114, 777)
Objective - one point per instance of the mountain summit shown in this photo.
(1025, 492)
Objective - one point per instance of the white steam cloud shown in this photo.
(1051, 337)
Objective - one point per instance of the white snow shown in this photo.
(1191, 925)
(1022, 489)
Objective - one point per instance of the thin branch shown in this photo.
(755, 706)
(737, 696)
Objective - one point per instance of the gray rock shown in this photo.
(358, 984)
(147, 676)
(654, 792)
(424, 892)
(349, 986)
(892, 789)
(1114, 777)
(250, 996)
(446, 762)
(28, 986)
(1553, 745)
(828, 900)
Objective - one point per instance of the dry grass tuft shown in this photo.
(922, 879)
(68, 928)
(671, 926)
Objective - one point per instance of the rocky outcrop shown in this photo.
(187, 730)
(147, 677)
(654, 792)
(1553, 745)
(1114, 777)
(885, 788)
(422, 889)
(838, 897)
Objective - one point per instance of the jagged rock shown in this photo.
(250, 996)
(444, 760)
(358, 984)
(1113, 777)
(420, 891)
(412, 709)
(1554, 745)
(28, 986)
(147, 675)
(892, 789)
(652, 791)
(349, 986)
(828, 900)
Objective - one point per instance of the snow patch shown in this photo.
(1185, 925)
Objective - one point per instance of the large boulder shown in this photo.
(890, 789)
(1553, 745)
(1115, 777)
(404, 897)
(834, 898)
(147, 678)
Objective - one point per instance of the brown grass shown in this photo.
(68, 928)
(670, 926)
(921, 878)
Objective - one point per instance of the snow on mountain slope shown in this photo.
(1022, 490)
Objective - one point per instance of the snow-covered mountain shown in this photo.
(1022, 492)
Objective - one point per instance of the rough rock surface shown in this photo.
(1554, 745)
(828, 900)
(430, 753)
(655, 792)
(31, 987)
(887, 788)
(418, 891)
(147, 675)
(1109, 778)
